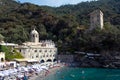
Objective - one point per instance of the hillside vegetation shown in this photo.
(10, 54)
(66, 25)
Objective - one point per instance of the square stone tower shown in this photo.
(96, 19)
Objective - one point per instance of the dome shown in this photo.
(34, 32)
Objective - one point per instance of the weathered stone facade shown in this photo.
(96, 19)
(43, 51)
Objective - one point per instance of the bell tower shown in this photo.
(34, 36)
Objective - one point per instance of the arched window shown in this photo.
(54, 55)
(45, 50)
(37, 56)
(46, 55)
(40, 50)
(35, 50)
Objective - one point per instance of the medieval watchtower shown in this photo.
(96, 19)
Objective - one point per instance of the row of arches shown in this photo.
(49, 60)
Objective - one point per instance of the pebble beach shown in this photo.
(42, 75)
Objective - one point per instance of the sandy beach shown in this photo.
(43, 74)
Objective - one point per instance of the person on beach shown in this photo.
(25, 77)
(46, 73)
(83, 72)
(62, 77)
(1, 78)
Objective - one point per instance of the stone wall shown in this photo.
(65, 58)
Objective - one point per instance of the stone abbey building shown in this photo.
(44, 51)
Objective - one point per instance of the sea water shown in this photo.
(84, 74)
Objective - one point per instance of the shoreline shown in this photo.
(43, 74)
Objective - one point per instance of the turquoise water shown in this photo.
(85, 74)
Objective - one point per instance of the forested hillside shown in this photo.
(67, 25)
(7, 5)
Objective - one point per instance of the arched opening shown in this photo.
(42, 61)
(54, 60)
(2, 59)
(49, 60)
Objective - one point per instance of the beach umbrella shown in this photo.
(1, 74)
(11, 71)
(20, 76)
(39, 70)
(25, 69)
(28, 67)
(19, 69)
(6, 73)
(32, 69)
(15, 70)
(44, 67)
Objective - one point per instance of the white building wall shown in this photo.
(40, 53)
